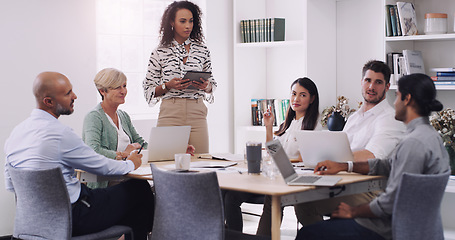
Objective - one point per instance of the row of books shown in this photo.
(262, 30)
(444, 76)
(401, 19)
(405, 63)
(279, 108)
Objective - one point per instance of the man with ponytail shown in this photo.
(421, 145)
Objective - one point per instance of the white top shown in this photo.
(166, 63)
(289, 141)
(43, 142)
(375, 130)
(122, 138)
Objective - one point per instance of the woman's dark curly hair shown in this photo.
(166, 31)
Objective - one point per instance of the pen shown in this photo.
(141, 148)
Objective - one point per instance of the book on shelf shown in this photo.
(413, 62)
(254, 112)
(393, 20)
(444, 78)
(449, 69)
(284, 104)
(398, 26)
(450, 83)
(389, 61)
(242, 31)
(445, 74)
(407, 18)
(388, 22)
(277, 27)
(396, 69)
(262, 30)
(278, 108)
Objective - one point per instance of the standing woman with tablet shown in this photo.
(181, 49)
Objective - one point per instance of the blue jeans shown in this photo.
(337, 229)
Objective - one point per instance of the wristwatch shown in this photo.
(163, 86)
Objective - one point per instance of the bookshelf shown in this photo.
(266, 69)
(438, 49)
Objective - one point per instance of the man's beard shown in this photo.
(63, 111)
(374, 101)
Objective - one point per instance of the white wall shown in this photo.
(45, 35)
(219, 40)
(356, 45)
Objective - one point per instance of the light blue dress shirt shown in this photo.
(421, 151)
(43, 142)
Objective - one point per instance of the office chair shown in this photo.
(416, 212)
(43, 207)
(189, 206)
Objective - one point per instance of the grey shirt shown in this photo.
(421, 151)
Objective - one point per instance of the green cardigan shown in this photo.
(100, 135)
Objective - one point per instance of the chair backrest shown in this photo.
(187, 206)
(43, 208)
(416, 212)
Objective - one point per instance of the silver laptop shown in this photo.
(317, 146)
(281, 159)
(165, 142)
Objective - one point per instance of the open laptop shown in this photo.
(317, 146)
(165, 142)
(281, 159)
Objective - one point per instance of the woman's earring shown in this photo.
(172, 28)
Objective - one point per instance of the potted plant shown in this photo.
(335, 117)
(444, 123)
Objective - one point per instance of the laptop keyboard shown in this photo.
(306, 179)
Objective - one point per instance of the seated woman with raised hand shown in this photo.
(107, 129)
(303, 114)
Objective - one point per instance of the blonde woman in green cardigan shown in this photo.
(107, 129)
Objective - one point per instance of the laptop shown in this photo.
(318, 146)
(165, 142)
(281, 159)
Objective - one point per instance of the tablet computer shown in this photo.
(196, 76)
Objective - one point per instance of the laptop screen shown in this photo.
(280, 157)
(164, 142)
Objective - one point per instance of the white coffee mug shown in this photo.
(145, 156)
(182, 161)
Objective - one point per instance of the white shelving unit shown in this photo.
(267, 69)
(437, 50)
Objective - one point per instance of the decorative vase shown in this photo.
(335, 122)
(451, 158)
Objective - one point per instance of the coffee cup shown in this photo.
(145, 156)
(182, 161)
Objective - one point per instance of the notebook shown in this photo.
(317, 146)
(165, 142)
(212, 164)
(281, 159)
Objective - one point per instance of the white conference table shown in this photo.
(284, 195)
